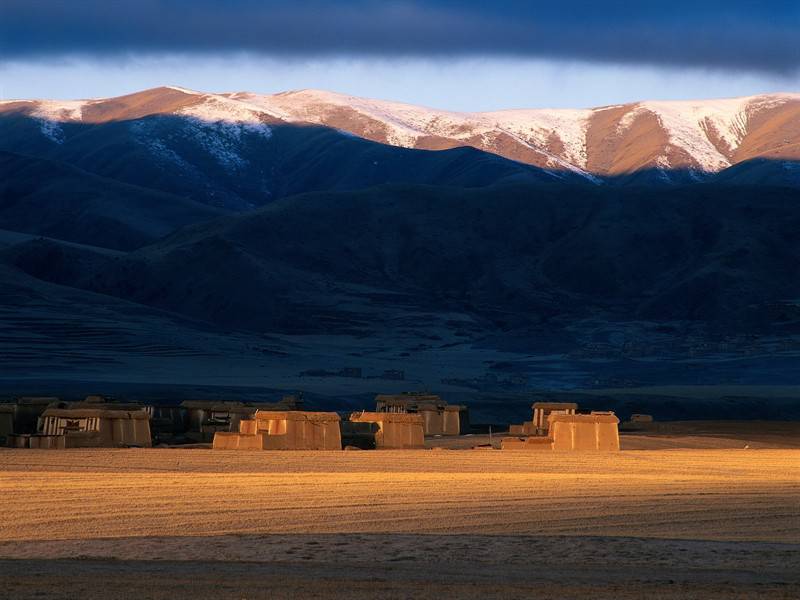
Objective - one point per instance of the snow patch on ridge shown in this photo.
(406, 124)
(687, 124)
(145, 134)
(538, 126)
(218, 110)
(219, 123)
(184, 90)
(51, 113)
(693, 125)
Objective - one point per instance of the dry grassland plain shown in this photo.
(167, 523)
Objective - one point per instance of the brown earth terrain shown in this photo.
(167, 523)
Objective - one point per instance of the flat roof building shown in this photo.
(104, 426)
(284, 430)
(543, 410)
(439, 417)
(597, 431)
(207, 417)
(394, 430)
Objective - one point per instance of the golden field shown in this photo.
(89, 494)
(716, 523)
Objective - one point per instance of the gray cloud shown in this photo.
(737, 35)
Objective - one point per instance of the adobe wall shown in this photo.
(542, 412)
(284, 430)
(526, 428)
(125, 431)
(238, 441)
(441, 420)
(305, 435)
(454, 421)
(19, 441)
(400, 435)
(432, 421)
(396, 430)
(226, 441)
(51, 442)
(595, 432)
(248, 426)
(100, 426)
(585, 432)
(299, 430)
(530, 443)
(438, 417)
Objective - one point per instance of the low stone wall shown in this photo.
(50, 442)
(238, 441)
(526, 428)
(530, 443)
(42, 442)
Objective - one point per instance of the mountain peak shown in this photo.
(182, 90)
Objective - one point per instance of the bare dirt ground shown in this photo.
(168, 523)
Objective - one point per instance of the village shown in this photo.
(210, 499)
(399, 421)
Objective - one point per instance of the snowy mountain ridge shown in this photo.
(696, 136)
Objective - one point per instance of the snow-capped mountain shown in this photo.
(704, 136)
(670, 140)
(234, 154)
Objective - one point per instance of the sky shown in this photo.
(459, 55)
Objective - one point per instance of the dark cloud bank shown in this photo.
(739, 35)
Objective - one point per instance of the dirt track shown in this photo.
(692, 517)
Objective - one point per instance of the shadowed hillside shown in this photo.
(58, 200)
(239, 166)
(721, 256)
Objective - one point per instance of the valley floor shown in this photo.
(167, 523)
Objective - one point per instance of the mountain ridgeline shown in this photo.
(233, 158)
(173, 132)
